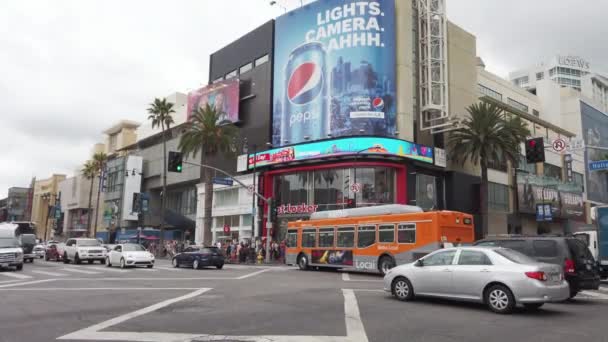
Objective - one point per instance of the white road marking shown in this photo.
(27, 283)
(8, 281)
(593, 294)
(78, 271)
(150, 278)
(101, 289)
(355, 331)
(346, 277)
(54, 274)
(253, 274)
(169, 268)
(368, 290)
(16, 275)
(109, 269)
(146, 269)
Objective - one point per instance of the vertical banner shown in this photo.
(334, 71)
(595, 133)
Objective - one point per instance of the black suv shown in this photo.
(580, 269)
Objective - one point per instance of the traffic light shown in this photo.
(175, 162)
(272, 208)
(535, 150)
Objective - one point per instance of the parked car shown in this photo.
(11, 253)
(498, 277)
(39, 251)
(129, 255)
(84, 249)
(580, 269)
(198, 256)
(53, 252)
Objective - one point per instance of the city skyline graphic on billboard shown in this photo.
(595, 133)
(223, 96)
(334, 71)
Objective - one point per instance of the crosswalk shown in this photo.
(32, 272)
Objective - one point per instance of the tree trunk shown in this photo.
(208, 219)
(483, 197)
(164, 193)
(90, 211)
(97, 205)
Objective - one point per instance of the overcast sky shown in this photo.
(70, 69)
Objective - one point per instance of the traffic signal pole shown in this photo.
(255, 192)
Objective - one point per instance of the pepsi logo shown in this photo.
(305, 83)
(378, 103)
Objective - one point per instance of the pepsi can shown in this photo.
(305, 107)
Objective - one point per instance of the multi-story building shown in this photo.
(75, 193)
(3, 209)
(45, 199)
(567, 71)
(17, 204)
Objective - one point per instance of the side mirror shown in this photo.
(419, 263)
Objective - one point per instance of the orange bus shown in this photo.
(373, 238)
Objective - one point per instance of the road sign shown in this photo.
(222, 181)
(356, 187)
(559, 145)
(598, 165)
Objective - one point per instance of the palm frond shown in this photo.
(204, 133)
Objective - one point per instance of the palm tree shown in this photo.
(88, 171)
(99, 161)
(206, 135)
(160, 115)
(487, 134)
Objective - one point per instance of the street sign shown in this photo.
(356, 187)
(559, 145)
(222, 181)
(598, 165)
(576, 144)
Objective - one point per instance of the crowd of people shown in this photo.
(244, 252)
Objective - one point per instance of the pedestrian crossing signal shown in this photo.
(175, 162)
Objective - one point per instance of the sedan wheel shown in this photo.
(195, 265)
(402, 289)
(122, 263)
(500, 299)
(175, 263)
(108, 262)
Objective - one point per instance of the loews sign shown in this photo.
(573, 61)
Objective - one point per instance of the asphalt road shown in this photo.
(49, 301)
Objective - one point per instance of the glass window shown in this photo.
(133, 248)
(331, 189)
(406, 233)
(366, 236)
(232, 221)
(231, 74)
(292, 188)
(498, 195)
(553, 171)
(247, 220)
(439, 258)
(545, 248)
(386, 233)
(346, 237)
(515, 256)
(245, 68)
(540, 76)
(326, 237)
(261, 60)
(219, 79)
(517, 105)
(518, 245)
(473, 258)
(487, 243)
(483, 90)
(426, 192)
(377, 186)
(292, 238)
(226, 198)
(308, 237)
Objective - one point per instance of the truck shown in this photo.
(597, 238)
(11, 253)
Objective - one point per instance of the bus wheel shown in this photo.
(303, 262)
(386, 263)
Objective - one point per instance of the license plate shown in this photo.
(555, 277)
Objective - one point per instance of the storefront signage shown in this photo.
(562, 204)
(573, 61)
(303, 208)
(343, 147)
(335, 71)
(544, 212)
(440, 158)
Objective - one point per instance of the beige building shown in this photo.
(45, 197)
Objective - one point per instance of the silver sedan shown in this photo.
(498, 277)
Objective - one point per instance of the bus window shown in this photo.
(366, 236)
(346, 237)
(386, 233)
(292, 238)
(326, 237)
(308, 237)
(407, 233)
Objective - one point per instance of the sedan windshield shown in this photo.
(88, 243)
(515, 256)
(132, 248)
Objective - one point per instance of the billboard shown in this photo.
(564, 204)
(595, 133)
(343, 147)
(223, 96)
(334, 71)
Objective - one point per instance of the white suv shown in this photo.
(84, 249)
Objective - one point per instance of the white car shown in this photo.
(39, 251)
(129, 255)
(81, 249)
(497, 277)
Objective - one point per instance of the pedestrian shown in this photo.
(218, 244)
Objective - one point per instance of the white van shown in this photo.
(11, 254)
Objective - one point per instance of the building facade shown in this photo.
(566, 71)
(74, 194)
(18, 204)
(45, 198)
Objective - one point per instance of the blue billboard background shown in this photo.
(595, 133)
(334, 71)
